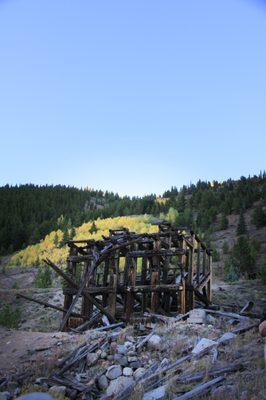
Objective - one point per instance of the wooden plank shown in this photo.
(72, 283)
(201, 389)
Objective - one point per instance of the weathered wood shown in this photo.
(201, 389)
(49, 305)
(72, 283)
(227, 314)
(159, 273)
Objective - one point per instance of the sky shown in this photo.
(131, 96)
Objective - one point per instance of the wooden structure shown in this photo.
(127, 274)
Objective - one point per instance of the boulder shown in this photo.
(121, 349)
(127, 371)
(92, 359)
(117, 385)
(102, 382)
(262, 328)
(197, 316)
(36, 396)
(114, 372)
(132, 359)
(154, 343)
(5, 396)
(134, 364)
(204, 344)
(120, 359)
(57, 389)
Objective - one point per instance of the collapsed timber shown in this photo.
(126, 275)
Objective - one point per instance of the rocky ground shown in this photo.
(107, 364)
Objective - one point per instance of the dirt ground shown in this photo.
(36, 345)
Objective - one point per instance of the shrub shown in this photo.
(231, 271)
(44, 277)
(10, 317)
(15, 285)
(225, 247)
(216, 255)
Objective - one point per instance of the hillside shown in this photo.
(29, 212)
(53, 245)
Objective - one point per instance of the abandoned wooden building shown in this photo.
(125, 275)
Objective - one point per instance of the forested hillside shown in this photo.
(28, 212)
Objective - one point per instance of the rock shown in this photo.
(164, 362)
(92, 359)
(57, 390)
(129, 346)
(102, 382)
(225, 391)
(36, 396)
(110, 357)
(113, 348)
(131, 353)
(154, 343)
(117, 385)
(72, 394)
(134, 364)
(197, 316)
(5, 396)
(114, 372)
(139, 372)
(103, 354)
(204, 344)
(210, 319)
(262, 329)
(130, 338)
(122, 360)
(155, 394)
(127, 371)
(226, 336)
(121, 349)
(132, 359)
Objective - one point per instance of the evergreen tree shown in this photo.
(259, 217)
(241, 227)
(93, 229)
(56, 239)
(224, 222)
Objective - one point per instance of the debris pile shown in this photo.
(177, 358)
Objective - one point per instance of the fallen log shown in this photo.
(201, 389)
(227, 314)
(76, 286)
(46, 304)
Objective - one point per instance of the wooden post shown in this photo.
(87, 306)
(191, 295)
(143, 282)
(209, 284)
(198, 262)
(113, 285)
(105, 280)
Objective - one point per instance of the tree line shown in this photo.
(29, 212)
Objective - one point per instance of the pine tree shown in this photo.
(56, 239)
(93, 228)
(224, 222)
(241, 227)
(259, 217)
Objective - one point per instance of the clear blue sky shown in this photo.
(131, 96)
